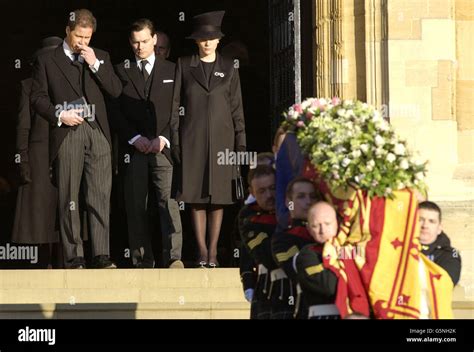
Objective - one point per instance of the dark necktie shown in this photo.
(76, 57)
(144, 71)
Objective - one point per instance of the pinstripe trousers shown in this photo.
(85, 156)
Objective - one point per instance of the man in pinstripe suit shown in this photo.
(80, 145)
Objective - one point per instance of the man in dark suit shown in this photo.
(80, 145)
(143, 114)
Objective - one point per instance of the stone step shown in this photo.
(121, 278)
(191, 310)
(139, 294)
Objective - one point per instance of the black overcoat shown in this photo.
(210, 120)
(35, 215)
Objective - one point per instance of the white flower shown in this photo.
(404, 164)
(292, 113)
(419, 176)
(399, 149)
(356, 153)
(370, 165)
(341, 112)
(364, 147)
(380, 152)
(347, 103)
(379, 141)
(391, 157)
(400, 185)
(417, 161)
(359, 178)
(340, 149)
(388, 190)
(346, 162)
(376, 116)
(306, 104)
(382, 125)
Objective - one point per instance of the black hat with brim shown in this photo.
(207, 25)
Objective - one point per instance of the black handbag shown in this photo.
(238, 185)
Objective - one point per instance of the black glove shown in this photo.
(176, 154)
(25, 173)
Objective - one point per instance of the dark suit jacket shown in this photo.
(53, 85)
(135, 114)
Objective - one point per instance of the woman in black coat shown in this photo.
(208, 112)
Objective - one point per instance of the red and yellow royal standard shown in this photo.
(376, 254)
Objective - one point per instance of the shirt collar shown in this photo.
(150, 59)
(69, 53)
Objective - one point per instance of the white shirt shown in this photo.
(70, 54)
(149, 66)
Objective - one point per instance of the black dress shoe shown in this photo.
(143, 264)
(77, 263)
(103, 262)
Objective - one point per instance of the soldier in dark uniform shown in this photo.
(248, 277)
(318, 283)
(435, 244)
(300, 195)
(257, 222)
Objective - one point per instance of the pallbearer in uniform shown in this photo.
(300, 195)
(318, 283)
(257, 222)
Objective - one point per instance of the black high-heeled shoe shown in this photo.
(213, 265)
(201, 264)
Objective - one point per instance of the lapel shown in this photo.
(65, 66)
(135, 75)
(219, 73)
(158, 74)
(197, 73)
